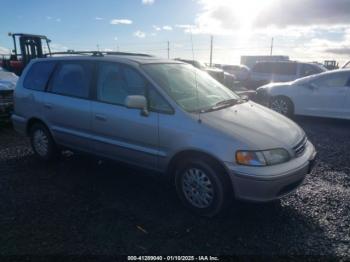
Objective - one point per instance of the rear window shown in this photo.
(38, 75)
(73, 79)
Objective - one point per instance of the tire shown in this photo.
(42, 142)
(203, 187)
(282, 105)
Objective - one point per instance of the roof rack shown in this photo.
(96, 53)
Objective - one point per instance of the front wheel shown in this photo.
(282, 105)
(202, 187)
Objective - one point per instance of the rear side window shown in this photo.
(38, 75)
(73, 79)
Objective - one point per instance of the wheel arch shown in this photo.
(32, 121)
(192, 153)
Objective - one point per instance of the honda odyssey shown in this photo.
(165, 116)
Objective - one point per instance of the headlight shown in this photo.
(262, 158)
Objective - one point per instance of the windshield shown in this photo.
(192, 89)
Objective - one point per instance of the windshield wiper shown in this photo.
(228, 102)
(221, 104)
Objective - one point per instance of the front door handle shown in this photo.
(100, 117)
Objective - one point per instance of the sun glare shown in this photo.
(246, 11)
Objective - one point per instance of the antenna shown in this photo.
(271, 49)
(195, 78)
(168, 49)
(211, 51)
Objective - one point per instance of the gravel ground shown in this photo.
(84, 205)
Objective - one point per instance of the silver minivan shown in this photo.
(166, 116)
(263, 73)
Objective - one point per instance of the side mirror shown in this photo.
(137, 102)
(244, 97)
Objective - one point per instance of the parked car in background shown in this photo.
(219, 74)
(225, 78)
(240, 71)
(323, 95)
(251, 60)
(166, 116)
(8, 82)
(263, 73)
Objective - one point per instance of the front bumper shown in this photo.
(6, 110)
(262, 184)
(262, 97)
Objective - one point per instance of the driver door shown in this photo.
(120, 132)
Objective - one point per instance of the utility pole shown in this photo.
(271, 47)
(211, 51)
(168, 49)
(98, 47)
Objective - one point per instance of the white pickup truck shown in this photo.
(8, 82)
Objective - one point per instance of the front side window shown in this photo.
(192, 89)
(73, 79)
(307, 70)
(115, 82)
(332, 80)
(38, 75)
(158, 103)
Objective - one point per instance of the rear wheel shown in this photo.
(282, 105)
(202, 187)
(42, 143)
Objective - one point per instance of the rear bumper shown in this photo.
(263, 184)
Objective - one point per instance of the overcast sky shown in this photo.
(309, 30)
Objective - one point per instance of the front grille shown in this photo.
(6, 96)
(300, 147)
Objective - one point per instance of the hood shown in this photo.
(277, 84)
(8, 80)
(7, 85)
(258, 127)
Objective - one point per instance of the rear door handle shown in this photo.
(100, 117)
(48, 106)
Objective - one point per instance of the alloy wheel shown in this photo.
(280, 105)
(41, 142)
(197, 188)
